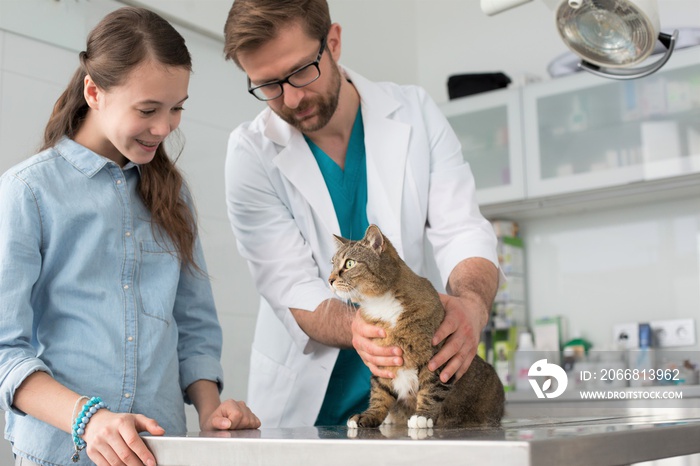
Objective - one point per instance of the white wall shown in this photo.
(599, 268)
(425, 41)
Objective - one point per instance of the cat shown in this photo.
(370, 273)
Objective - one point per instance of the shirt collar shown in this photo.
(85, 160)
(373, 98)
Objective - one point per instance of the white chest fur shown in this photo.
(385, 308)
(406, 383)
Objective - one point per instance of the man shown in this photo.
(332, 153)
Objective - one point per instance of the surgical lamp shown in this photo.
(610, 36)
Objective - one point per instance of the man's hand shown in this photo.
(376, 357)
(461, 331)
(472, 286)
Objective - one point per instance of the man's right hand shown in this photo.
(375, 356)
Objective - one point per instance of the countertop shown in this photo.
(591, 440)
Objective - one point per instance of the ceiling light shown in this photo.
(610, 36)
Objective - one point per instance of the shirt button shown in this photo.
(127, 395)
(130, 338)
(126, 287)
(128, 233)
(119, 181)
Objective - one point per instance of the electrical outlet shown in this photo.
(626, 336)
(678, 332)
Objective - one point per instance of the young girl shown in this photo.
(104, 298)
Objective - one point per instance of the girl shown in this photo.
(104, 298)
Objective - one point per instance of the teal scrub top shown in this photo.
(348, 388)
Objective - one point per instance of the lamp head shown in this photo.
(610, 36)
(610, 33)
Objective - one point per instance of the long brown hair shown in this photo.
(251, 23)
(118, 44)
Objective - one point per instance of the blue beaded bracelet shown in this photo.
(89, 409)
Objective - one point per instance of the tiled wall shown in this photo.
(632, 264)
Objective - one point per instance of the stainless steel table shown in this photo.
(613, 440)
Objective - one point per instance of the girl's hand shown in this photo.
(375, 357)
(231, 414)
(113, 439)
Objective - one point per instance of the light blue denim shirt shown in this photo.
(88, 295)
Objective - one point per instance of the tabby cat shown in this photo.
(370, 273)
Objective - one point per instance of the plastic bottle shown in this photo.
(642, 360)
(575, 360)
(525, 356)
(578, 118)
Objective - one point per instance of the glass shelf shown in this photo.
(488, 128)
(583, 132)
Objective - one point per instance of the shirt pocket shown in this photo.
(158, 278)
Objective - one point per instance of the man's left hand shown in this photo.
(460, 331)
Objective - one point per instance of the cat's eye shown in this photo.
(350, 263)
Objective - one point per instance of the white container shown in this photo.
(524, 358)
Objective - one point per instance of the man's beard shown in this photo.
(325, 107)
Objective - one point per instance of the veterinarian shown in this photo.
(108, 319)
(330, 154)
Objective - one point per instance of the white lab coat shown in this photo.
(419, 187)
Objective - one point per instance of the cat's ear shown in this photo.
(375, 239)
(340, 240)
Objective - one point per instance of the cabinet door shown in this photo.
(584, 132)
(488, 127)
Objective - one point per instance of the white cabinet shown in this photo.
(581, 139)
(583, 132)
(488, 127)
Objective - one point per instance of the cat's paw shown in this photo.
(352, 432)
(363, 420)
(420, 422)
(420, 434)
(389, 420)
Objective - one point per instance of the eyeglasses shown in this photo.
(298, 78)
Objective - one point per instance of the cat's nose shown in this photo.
(331, 280)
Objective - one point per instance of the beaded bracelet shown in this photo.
(89, 409)
(75, 406)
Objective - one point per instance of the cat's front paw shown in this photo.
(363, 420)
(420, 422)
(420, 434)
(352, 432)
